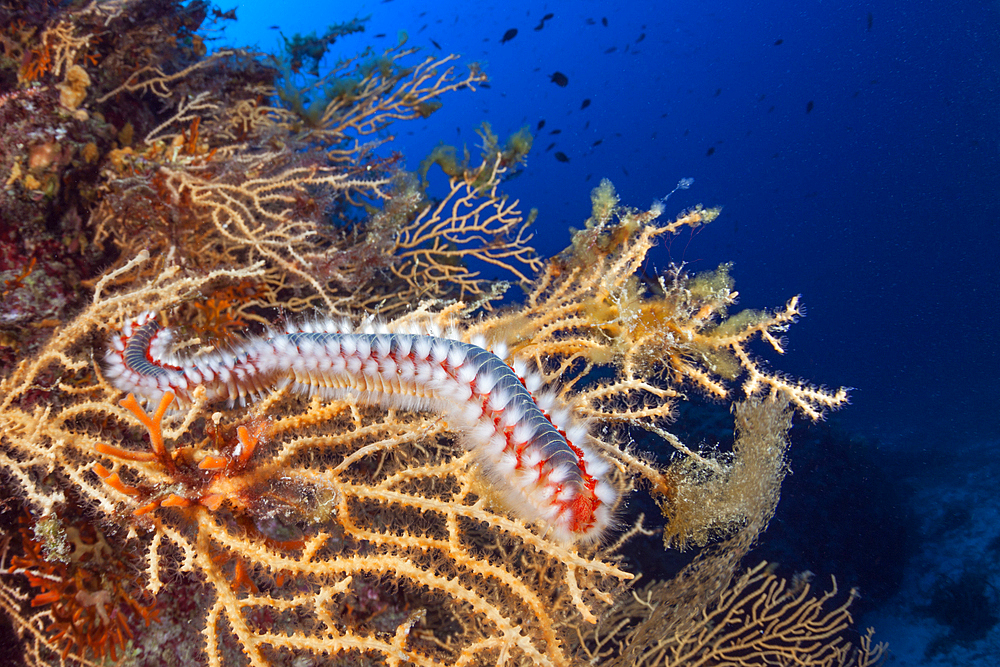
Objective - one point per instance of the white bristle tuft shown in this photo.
(348, 345)
(421, 347)
(500, 349)
(485, 382)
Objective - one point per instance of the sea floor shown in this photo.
(947, 611)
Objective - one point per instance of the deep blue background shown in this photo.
(881, 205)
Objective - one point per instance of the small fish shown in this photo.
(718, 91)
(596, 143)
(436, 45)
(485, 85)
(559, 79)
(641, 37)
(555, 131)
(871, 19)
(604, 21)
(611, 50)
(551, 146)
(380, 35)
(711, 149)
(541, 124)
(585, 104)
(509, 35)
(809, 106)
(273, 27)
(561, 156)
(591, 22)
(541, 24)
(779, 42)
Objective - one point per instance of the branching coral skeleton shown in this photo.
(332, 491)
(394, 495)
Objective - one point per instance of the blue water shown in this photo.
(854, 146)
(880, 205)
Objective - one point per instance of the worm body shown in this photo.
(533, 450)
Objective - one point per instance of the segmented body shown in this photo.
(533, 450)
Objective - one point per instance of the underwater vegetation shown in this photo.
(276, 513)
